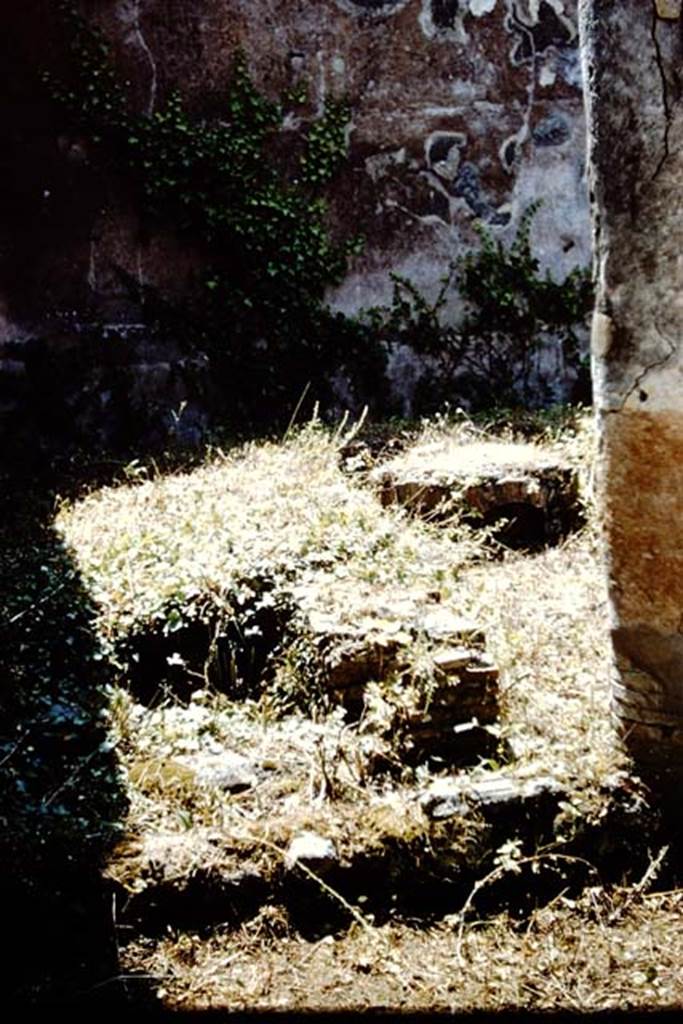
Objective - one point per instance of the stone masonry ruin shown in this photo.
(343, 698)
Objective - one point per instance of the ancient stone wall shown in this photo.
(461, 111)
(633, 59)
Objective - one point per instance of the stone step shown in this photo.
(495, 796)
(527, 495)
(209, 876)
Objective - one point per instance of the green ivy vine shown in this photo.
(256, 214)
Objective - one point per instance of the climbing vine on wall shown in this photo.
(509, 308)
(256, 215)
(247, 193)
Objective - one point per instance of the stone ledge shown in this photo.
(528, 496)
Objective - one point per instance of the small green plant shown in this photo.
(509, 307)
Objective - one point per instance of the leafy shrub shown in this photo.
(509, 307)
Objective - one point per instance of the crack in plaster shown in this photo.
(92, 266)
(665, 92)
(428, 218)
(647, 370)
(150, 57)
(139, 267)
(129, 15)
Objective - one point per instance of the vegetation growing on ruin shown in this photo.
(325, 534)
(171, 728)
(255, 211)
(231, 543)
(196, 873)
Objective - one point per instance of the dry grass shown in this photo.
(546, 622)
(167, 550)
(308, 777)
(602, 952)
(187, 542)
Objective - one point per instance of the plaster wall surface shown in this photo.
(633, 56)
(461, 111)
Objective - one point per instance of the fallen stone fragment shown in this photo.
(161, 776)
(311, 851)
(527, 495)
(452, 658)
(494, 796)
(227, 771)
(443, 625)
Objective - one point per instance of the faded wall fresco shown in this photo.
(476, 113)
(462, 110)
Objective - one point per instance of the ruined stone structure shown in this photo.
(633, 57)
(461, 110)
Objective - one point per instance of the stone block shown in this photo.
(670, 10)
(312, 851)
(528, 496)
(226, 771)
(494, 796)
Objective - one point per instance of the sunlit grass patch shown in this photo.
(255, 525)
